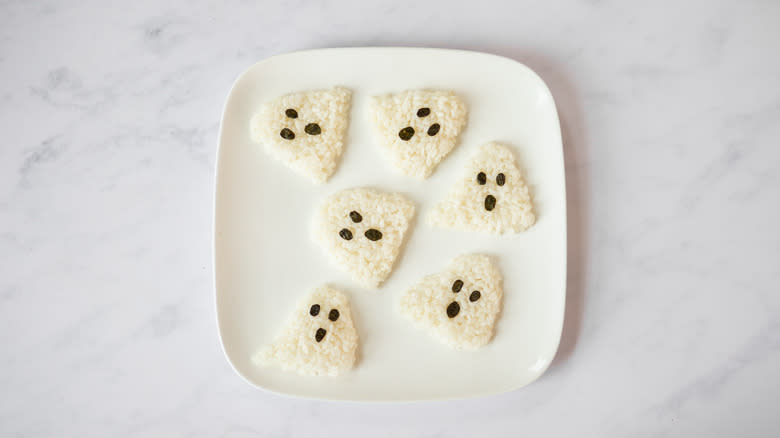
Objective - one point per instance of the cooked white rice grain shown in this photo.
(362, 231)
(416, 129)
(305, 130)
(491, 177)
(459, 306)
(298, 349)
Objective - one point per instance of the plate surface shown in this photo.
(265, 260)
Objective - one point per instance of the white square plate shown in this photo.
(265, 260)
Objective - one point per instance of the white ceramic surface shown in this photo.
(265, 259)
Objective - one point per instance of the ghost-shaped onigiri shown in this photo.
(460, 305)
(490, 196)
(319, 338)
(416, 129)
(305, 130)
(362, 231)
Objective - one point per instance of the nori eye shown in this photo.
(423, 112)
(291, 113)
(315, 310)
(457, 286)
(355, 216)
(406, 134)
(434, 129)
(490, 202)
(501, 179)
(453, 309)
(345, 234)
(313, 129)
(481, 178)
(373, 234)
(474, 296)
(333, 315)
(287, 134)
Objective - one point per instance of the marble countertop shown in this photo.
(670, 114)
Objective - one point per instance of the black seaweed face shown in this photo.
(310, 129)
(490, 200)
(314, 312)
(453, 308)
(371, 234)
(408, 132)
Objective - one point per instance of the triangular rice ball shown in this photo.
(305, 130)
(491, 195)
(459, 306)
(319, 338)
(362, 231)
(417, 128)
